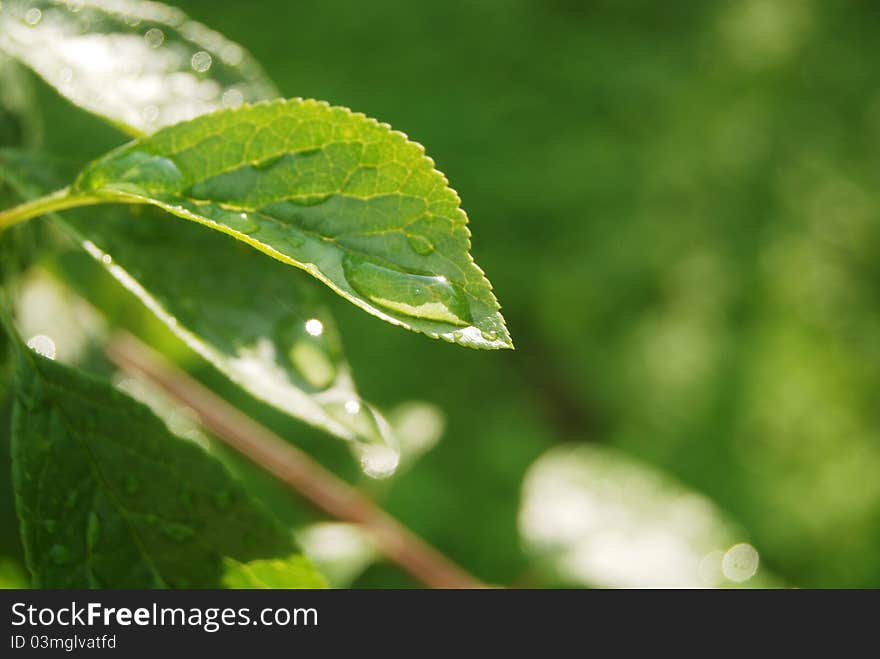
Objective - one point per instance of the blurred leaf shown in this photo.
(340, 551)
(141, 65)
(108, 498)
(19, 113)
(341, 196)
(275, 339)
(11, 552)
(292, 572)
(596, 517)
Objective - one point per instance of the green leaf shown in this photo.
(19, 114)
(292, 572)
(141, 65)
(243, 313)
(341, 196)
(238, 310)
(108, 498)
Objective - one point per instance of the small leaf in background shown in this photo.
(295, 571)
(355, 204)
(19, 115)
(108, 498)
(417, 427)
(141, 65)
(595, 517)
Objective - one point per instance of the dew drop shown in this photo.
(42, 345)
(59, 554)
(154, 37)
(314, 327)
(33, 16)
(106, 259)
(370, 428)
(489, 335)
(379, 461)
(420, 296)
(740, 562)
(201, 61)
(232, 98)
(241, 222)
(420, 244)
(150, 114)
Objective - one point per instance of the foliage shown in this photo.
(678, 211)
(354, 204)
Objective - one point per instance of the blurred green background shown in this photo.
(677, 206)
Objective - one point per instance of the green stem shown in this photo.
(56, 201)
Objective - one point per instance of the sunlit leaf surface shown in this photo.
(141, 65)
(108, 498)
(345, 198)
(596, 517)
(263, 328)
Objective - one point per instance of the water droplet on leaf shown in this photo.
(420, 244)
(314, 327)
(241, 222)
(33, 16)
(150, 114)
(154, 37)
(379, 461)
(201, 61)
(232, 98)
(42, 345)
(421, 296)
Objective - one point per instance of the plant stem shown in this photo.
(56, 201)
(323, 488)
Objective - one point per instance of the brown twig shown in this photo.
(291, 465)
